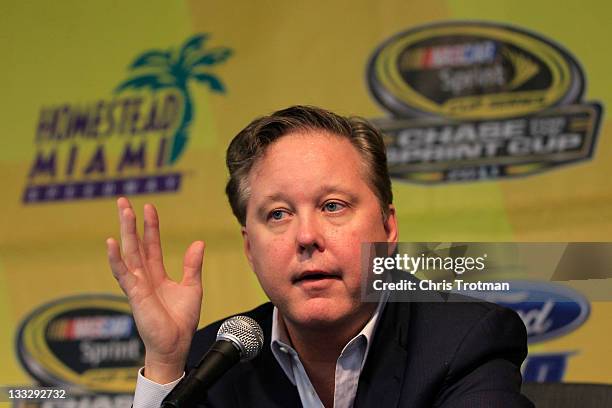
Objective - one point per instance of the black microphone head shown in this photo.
(244, 333)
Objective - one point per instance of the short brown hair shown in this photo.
(251, 143)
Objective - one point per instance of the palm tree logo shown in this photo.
(161, 69)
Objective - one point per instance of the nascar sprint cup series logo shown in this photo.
(474, 101)
(87, 345)
(130, 142)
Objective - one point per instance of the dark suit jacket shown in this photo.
(423, 354)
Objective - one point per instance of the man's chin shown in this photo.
(319, 314)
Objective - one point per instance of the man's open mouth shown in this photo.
(315, 276)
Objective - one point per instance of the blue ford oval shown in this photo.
(548, 309)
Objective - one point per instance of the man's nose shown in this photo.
(309, 236)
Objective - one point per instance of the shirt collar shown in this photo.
(284, 352)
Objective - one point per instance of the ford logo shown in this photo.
(548, 310)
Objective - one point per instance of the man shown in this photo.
(308, 188)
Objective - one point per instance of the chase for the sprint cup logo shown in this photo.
(477, 101)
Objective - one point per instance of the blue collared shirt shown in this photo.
(348, 366)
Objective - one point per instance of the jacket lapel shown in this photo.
(263, 382)
(382, 377)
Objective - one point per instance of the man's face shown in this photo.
(309, 211)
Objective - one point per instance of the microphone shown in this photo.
(239, 339)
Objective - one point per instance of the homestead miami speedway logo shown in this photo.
(128, 143)
(477, 101)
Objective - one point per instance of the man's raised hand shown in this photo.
(166, 312)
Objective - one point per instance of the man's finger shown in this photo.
(120, 271)
(122, 204)
(152, 244)
(129, 235)
(192, 264)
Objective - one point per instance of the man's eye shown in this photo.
(277, 215)
(333, 206)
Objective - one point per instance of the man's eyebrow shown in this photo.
(323, 191)
(336, 189)
(269, 198)
(273, 197)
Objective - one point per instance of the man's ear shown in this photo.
(246, 245)
(390, 224)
